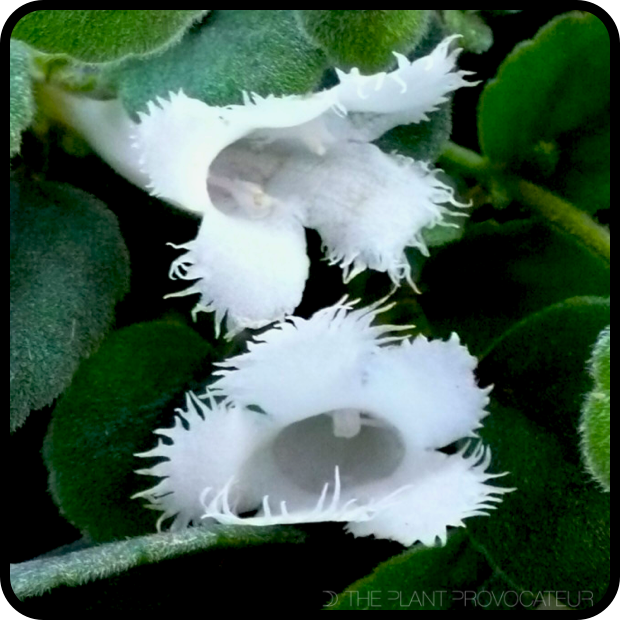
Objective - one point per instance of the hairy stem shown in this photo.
(467, 162)
(564, 216)
(558, 212)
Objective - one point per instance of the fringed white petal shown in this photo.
(329, 506)
(272, 112)
(177, 141)
(441, 492)
(210, 442)
(107, 127)
(346, 433)
(429, 493)
(251, 272)
(428, 390)
(291, 120)
(366, 205)
(363, 108)
(380, 102)
(180, 137)
(302, 368)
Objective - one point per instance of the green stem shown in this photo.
(467, 162)
(555, 210)
(564, 216)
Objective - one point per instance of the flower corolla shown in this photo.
(332, 418)
(259, 173)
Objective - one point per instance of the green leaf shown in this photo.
(103, 562)
(21, 97)
(497, 594)
(423, 141)
(364, 39)
(542, 361)
(546, 116)
(443, 235)
(552, 533)
(476, 36)
(165, 573)
(69, 267)
(102, 36)
(601, 361)
(583, 173)
(499, 274)
(246, 50)
(424, 578)
(117, 399)
(596, 421)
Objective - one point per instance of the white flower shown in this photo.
(332, 419)
(259, 173)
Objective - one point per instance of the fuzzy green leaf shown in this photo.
(117, 399)
(423, 141)
(546, 116)
(596, 421)
(542, 360)
(497, 275)
(364, 39)
(69, 267)
(21, 97)
(256, 51)
(477, 36)
(497, 594)
(166, 573)
(102, 36)
(552, 534)
(431, 579)
(583, 172)
(103, 562)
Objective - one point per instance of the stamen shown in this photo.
(249, 196)
(347, 423)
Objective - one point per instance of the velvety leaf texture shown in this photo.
(100, 36)
(364, 39)
(499, 274)
(69, 267)
(256, 51)
(477, 36)
(596, 421)
(117, 399)
(101, 562)
(546, 115)
(518, 274)
(171, 573)
(21, 97)
(423, 579)
(498, 594)
(553, 532)
(423, 141)
(542, 361)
